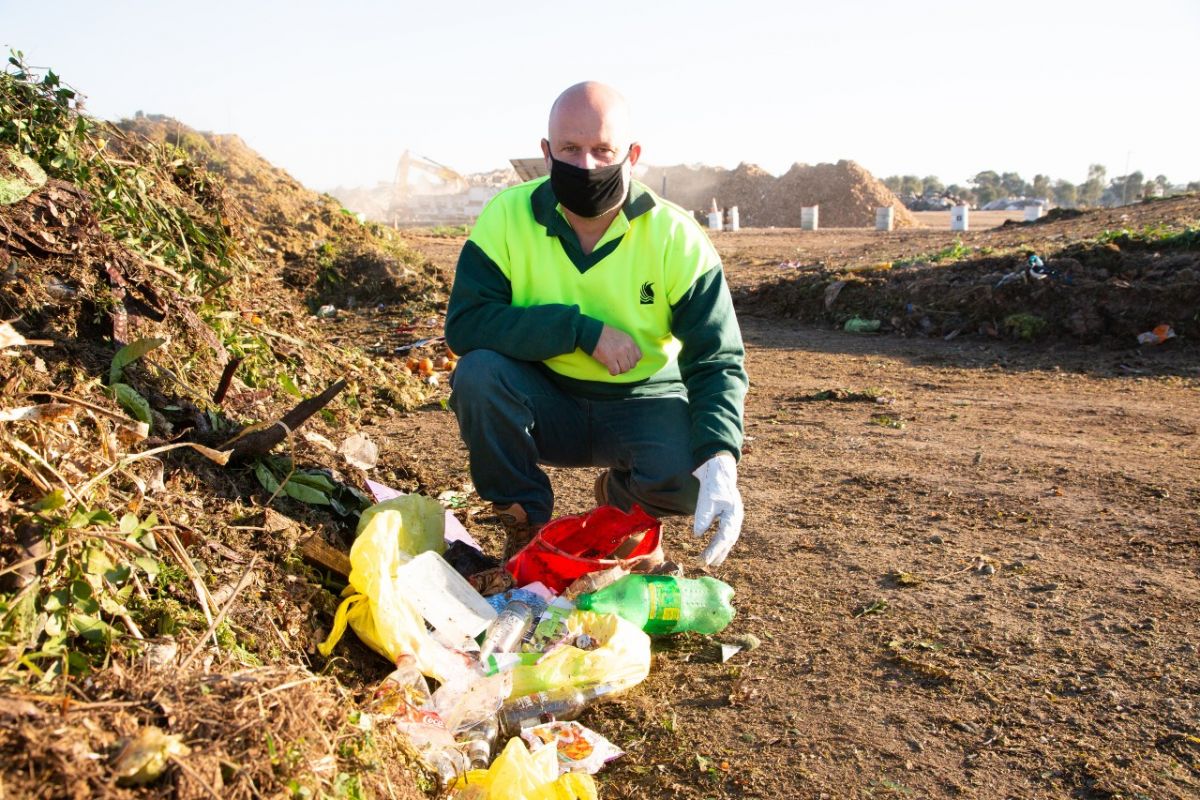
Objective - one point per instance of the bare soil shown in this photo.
(983, 584)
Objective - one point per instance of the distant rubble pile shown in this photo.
(847, 194)
(373, 202)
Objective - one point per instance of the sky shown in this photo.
(334, 93)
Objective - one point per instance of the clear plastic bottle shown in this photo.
(404, 689)
(595, 581)
(556, 704)
(479, 742)
(662, 604)
(508, 630)
(449, 763)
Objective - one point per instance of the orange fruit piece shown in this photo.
(425, 366)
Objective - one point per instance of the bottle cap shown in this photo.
(584, 602)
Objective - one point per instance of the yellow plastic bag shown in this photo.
(518, 775)
(418, 522)
(622, 658)
(390, 534)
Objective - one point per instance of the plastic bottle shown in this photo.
(556, 704)
(479, 742)
(404, 689)
(663, 604)
(508, 630)
(449, 763)
(595, 581)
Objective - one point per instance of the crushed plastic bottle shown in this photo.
(661, 604)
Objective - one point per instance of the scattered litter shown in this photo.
(746, 641)
(404, 348)
(381, 492)
(327, 312)
(859, 325)
(455, 532)
(831, 293)
(728, 651)
(360, 452)
(10, 338)
(570, 547)
(516, 774)
(580, 749)
(1157, 336)
(144, 757)
(443, 597)
(313, 437)
(659, 604)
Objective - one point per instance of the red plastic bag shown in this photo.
(570, 547)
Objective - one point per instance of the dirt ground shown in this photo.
(976, 578)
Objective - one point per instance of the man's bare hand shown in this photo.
(616, 350)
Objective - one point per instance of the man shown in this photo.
(595, 329)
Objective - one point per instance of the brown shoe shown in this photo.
(518, 531)
(600, 489)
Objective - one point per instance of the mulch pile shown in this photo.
(316, 245)
(1108, 287)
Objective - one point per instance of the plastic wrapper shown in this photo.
(620, 656)
(579, 749)
(551, 630)
(516, 774)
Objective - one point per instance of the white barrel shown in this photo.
(885, 218)
(714, 220)
(734, 222)
(960, 218)
(809, 218)
(1033, 213)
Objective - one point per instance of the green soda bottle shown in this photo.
(663, 604)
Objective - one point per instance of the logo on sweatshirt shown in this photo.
(647, 295)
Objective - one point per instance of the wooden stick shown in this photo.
(259, 442)
(320, 553)
(226, 379)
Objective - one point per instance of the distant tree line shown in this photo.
(1097, 190)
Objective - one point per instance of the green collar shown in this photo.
(545, 210)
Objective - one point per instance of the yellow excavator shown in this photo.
(433, 194)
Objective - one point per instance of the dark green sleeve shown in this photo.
(711, 364)
(481, 316)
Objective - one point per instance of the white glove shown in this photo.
(719, 501)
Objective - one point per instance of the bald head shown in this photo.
(590, 106)
(589, 126)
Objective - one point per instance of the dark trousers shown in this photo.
(514, 418)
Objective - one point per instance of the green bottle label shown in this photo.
(664, 604)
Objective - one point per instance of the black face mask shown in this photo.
(588, 192)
